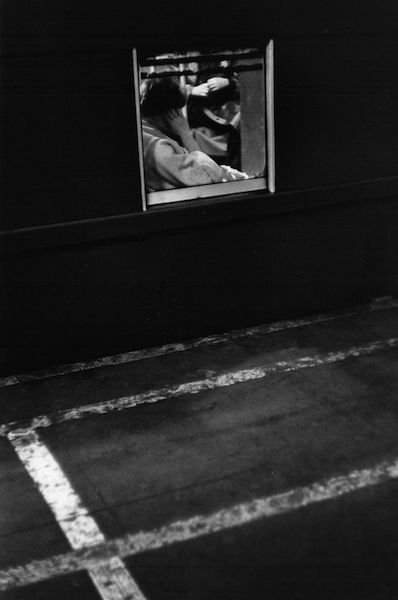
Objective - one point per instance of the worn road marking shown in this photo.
(136, 355)
(199, 525)
(110, 576)
(195, 387)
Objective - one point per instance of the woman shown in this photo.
(172, 156)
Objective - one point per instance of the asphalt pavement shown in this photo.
(262, 464)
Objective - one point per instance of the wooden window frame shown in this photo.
(150, 200)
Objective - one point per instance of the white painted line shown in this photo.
(195, 387)
(111, 578)
(240, 514)
(113, 581)
(200, 525)
(137, 355)
(73, 518)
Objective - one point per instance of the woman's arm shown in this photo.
(166, 169)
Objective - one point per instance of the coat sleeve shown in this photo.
(167, 169)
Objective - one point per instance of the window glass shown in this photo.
(202, 123)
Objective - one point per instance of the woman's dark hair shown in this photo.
(161, 95)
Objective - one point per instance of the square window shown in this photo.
(205, 123)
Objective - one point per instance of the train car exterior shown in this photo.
(90, 268)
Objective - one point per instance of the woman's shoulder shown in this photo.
(153, 137)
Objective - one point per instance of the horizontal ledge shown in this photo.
(211, 190)
(192, 214)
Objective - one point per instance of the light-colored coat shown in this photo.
(168, 165)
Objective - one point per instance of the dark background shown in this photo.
(86, 274)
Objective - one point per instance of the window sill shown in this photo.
(212, 190)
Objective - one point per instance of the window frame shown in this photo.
(266, 184)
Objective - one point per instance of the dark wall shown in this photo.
(105, 297)
(68, 137)
(336, 110)
(103, 280)
(68, 145)
(69, 148)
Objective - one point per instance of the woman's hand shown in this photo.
(231, 174)
(179, 125)
(176, 122)
(217, 83)
(201, 90)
